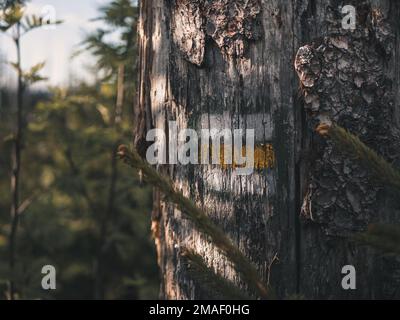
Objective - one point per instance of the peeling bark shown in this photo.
(229, 23)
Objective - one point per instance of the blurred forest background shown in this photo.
(79, 208)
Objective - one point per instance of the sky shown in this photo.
(56, 46)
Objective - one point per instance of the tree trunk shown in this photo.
(16, 170)
(231, 64)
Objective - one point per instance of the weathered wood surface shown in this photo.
(206, 63)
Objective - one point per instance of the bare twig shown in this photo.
(275, 258)
(16, 169)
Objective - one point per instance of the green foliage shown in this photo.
(66, 161)
(33, 22)
(123, 15)
(120, 14)
(32, 76)
(65, 186)
(10, 16)
(4, 4)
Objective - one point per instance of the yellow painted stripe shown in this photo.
(264, 157)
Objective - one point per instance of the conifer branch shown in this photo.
(352, 145)
(216, 285)
(203, 223)
(383, 237)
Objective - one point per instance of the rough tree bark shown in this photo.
(232, 64)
